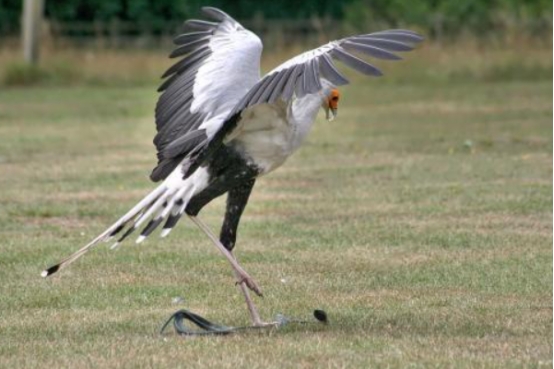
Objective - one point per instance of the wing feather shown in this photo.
(214, 13)
(190, 46)
(303, 72)
(280, 88)
(191, 61)
(190, 65)
(300, 88)
(255, 99)
(288, 89)
(371, 50)
(200, 86)
(184, 143)
(199, 25)
(399, 35)
(330, 72)
(355, 63)
(179, 103)
(189, 37)
(278, 79)
(314, 83)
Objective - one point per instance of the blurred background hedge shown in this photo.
(115, 42)
(437, 18)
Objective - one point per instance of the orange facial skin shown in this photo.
(334, 99)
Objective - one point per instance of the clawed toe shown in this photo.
(249, 282)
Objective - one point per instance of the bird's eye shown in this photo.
(335, 98)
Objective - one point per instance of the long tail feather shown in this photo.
(168, 200)
(175, 212)
(113, 230)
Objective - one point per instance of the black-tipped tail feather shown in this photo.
(144, 208)
(50, 271)
(151, 226)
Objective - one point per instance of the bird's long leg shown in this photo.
(243, 278)
(236, 202)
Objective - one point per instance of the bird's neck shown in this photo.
(302, 116)
(305, 109)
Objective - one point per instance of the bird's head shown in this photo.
(331, 103)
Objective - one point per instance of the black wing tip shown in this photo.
(214, 13)
(48, 272)
(188, 48)
(199, 25)
(163, 86)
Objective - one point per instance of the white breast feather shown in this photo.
(269, 133)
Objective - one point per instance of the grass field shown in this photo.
(421, 221)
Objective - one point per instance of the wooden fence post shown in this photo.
(31, 23)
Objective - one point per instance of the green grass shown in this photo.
(420, 220)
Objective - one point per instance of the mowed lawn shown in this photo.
(420, 220)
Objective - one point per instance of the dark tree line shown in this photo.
(446, 16)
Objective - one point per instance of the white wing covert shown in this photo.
(221, 64)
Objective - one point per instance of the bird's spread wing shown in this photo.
(302, 75)
(221, 64)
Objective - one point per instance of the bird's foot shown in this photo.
(244, 278)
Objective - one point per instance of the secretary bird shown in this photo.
(220, 125)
